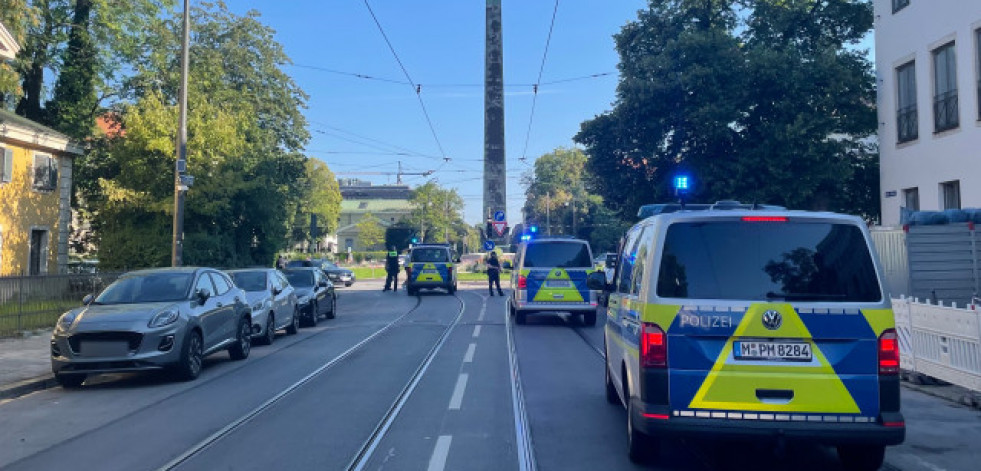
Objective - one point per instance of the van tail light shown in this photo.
(889, 353)
(522, 282)
(449, 269)
(408, 270)
(653, 347)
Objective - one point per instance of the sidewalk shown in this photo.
(25, 365)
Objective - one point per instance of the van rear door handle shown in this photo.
(775, 396)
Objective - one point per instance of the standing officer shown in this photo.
(392, 269)
(494, 274)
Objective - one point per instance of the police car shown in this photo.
(762, 325)
(430, 266)
(549, 275)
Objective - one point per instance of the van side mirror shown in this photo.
(596, 281)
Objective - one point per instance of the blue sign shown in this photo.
(488, 245)
(499, 216)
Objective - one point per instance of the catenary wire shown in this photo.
(541, 70)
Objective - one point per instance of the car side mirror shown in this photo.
(88, 299)
(596, 281)
(276, 291)
(203, 294)
(323, 283)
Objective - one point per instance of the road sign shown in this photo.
(488, 245)
(499, 216)
(499, 227)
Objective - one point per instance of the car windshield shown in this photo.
(147, 288)
(782, 261)
(430, 255)
(300, 278)
(330, 266)
(298, 263)
(557, 255)
(250, 280)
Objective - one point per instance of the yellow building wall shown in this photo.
(21, 208)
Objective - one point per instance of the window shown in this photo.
(907, 123)
(625, 268)
(45, 172)
(945, 109)
(899, 5)
(911, 199)
(643, 249)
(222, 285)
(950, 194)
(6, 164)
(778, 261)
(555, 255)
(204, 282)
(977, 47)
(430, 255)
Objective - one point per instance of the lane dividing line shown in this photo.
(476, 331)
(438, 461)
(468, 357)
(200, 446)
(522, 426)
(456, 400)
(361, 459)
(483, 310)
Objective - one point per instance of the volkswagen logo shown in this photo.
(772, 320)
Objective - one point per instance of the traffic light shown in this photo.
(490, 230)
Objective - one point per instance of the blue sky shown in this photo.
(441, 42)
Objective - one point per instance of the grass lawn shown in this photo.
(35, 315)
(368, 273)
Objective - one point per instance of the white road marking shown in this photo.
(476, 331)
(438, 461)
(461, 386)
(468, 358)
(483, 310)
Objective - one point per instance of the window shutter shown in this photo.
(7, 169)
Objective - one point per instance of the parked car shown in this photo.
(314, 293)
(273, 302)
(336, 274)
(166, 318)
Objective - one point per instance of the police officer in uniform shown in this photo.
(494, 274)
(392, 269)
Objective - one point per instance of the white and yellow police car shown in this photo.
(761, 325)
(430, 266)
(549, 275)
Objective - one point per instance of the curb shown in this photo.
(949, 393)
(27, 386)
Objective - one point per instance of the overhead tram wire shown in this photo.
(370, 139)
(541, 70)
(350, 74)
(417, 87)
(445, 85)
(374, 146)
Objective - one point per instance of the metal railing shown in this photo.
(946, 113)
(35, 302)
(907, 124)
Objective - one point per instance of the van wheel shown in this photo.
(520, 317)
(642, 448)
(861, 458)
(612, 396)
(589, 318)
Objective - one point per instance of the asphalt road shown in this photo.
(404, 383)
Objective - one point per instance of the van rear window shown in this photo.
(778, 261)
(557, 255)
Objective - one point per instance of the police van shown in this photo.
(759, 325)
(549, 275)
(430, 266)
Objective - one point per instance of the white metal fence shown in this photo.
(940, 341)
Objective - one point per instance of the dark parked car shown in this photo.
(150, 320)
(336, 274)
(314, 292)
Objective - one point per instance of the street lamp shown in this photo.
(181, 181)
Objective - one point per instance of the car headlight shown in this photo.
(67, 319)
(164, 318)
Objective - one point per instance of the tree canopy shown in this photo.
(436, 212)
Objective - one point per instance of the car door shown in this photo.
(618, 330)
(281, 300)
(320, 292)
(227, 305)
(207, 312)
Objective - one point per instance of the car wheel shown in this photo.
(589, 318)
(294, 326)
(192, 357)
(270, 334)
(314, 316)
(861, 458)
(70, 381)
(520, 317)
(349, 284)
(642, 448)
(612, 396)
(333, 308)
(451, 289)
(243, 344)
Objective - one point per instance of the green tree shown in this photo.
(16, 17)
(370, 231)
(761, 100)
(436, 212)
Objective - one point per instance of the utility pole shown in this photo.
(495, 167)
(548, 213)
(180, 184)
(446, 215)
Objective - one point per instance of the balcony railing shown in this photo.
(907, 124)
(945, 111)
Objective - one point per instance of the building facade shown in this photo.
(35, 197)
(928, 62)
(389, 204)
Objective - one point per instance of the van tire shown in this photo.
(589, 318)
(612, 396)
(520, 317)
(642, 448)
(861, 458)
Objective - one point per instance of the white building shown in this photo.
(928, 61)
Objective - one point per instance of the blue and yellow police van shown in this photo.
(761, 325)
(549, 276)
(430, 266)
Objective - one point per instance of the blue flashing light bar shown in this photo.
(681, 183)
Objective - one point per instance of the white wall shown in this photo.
(912, 33)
